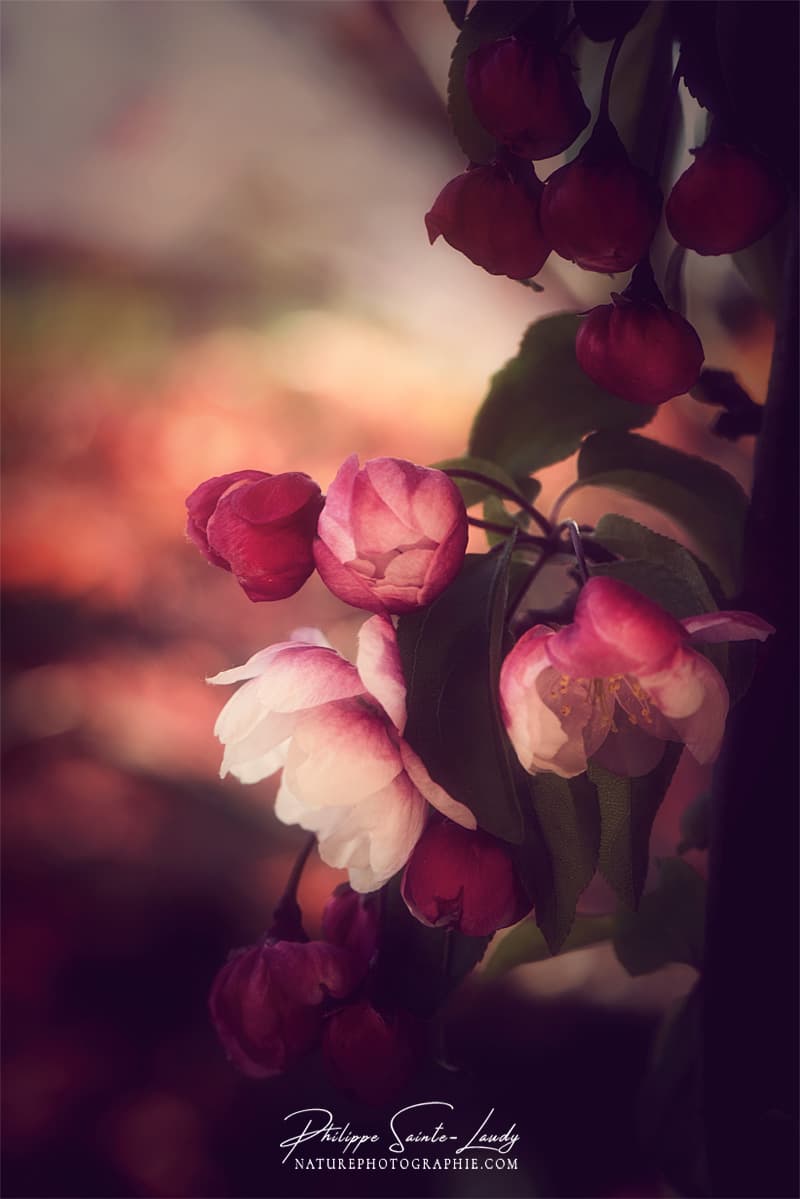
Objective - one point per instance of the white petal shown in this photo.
(380, 669)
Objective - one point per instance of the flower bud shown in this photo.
(493, 219)
(259, 526)
(639, 352)
(368, 1054)
(524, 93)
(456, 878)
(601, 211)
(266, 1001)
(724, 201)
(391, 536)
(350, 920)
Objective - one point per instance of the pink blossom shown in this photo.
(336, 729)
(617, 683)
(391, 535)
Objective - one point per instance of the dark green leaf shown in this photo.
(669, 925)
(560, 854)
(702, 497)
(603, 20)
(694, 25)
(457, 10)
(540, 404)
(526, 944)
(495, 512)
(628, 808)
(494, 480)
(451, 653)
(415, 967)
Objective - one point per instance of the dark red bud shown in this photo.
(641, 352)
(463, 879)
(525, 95)
(259, 526)
(266, 1001)
(724, 201)
(601, 211)
(369, 1054)
(493, 220)
(350, 920)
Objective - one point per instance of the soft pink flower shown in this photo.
(617, 683)
(259, 526)
(336, 729)
(391, 535)
(266, 1001)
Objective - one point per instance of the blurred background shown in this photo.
(214, 257)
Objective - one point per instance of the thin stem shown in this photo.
(577, 546)
(666, 122)
(287, 921)
(441, 1036)
(605, 95)
(495, 527)
(559, 504)
(456, 472)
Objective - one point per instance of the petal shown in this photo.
(447, 560)
(262, 752)
(727, 626)
(377, 528)
(251, 668)
(308, 635)
(533, 728)
(344, 581)
(409, 568)
(340, 754)
(306, 676)
(374, 838)
(629, 751)
(436, 796)
(380, 669)
(334, 525)
(694, 699)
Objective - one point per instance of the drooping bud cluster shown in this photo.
(389, 537)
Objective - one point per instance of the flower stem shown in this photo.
(605, 95)
(666, 121)
(456, 472)
(577, 546)
(287, 919)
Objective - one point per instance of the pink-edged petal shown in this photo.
(616, 630)
(379, 666)
(377, 529)
(395, 480)
(334, 525)
(409, 568)
(340, 754)
(344, 581)
(437, 506)
(306, 676)
(533, 728)
(262, 752)
(374, 839)
(309, 635)
(629, 751)
(727, 626)
(252, 667)
(436, 796)
(446, 561)
(694, 699)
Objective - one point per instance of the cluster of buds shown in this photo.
(600, 211)
(388, 537)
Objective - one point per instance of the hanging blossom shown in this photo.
(617, 683)
(336, 730)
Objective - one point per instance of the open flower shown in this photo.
(617, 683)
(391, 536)
(336, 729)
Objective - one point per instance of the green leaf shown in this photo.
(451, 654)
(495, 512)
(495, 481)
(457, 11)
(669, 925)
(628, 808)
(541, 405)
(526, 944)
(560, 854)
(702, 497)
(416, 968)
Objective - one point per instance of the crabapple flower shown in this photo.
(492, 216)
(463, 879)
(259, 526)
(266, 1001)
(370, 1054)
(617, 683)
(524, 93)
(391, 536)
(336, 729)
(350, 920)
